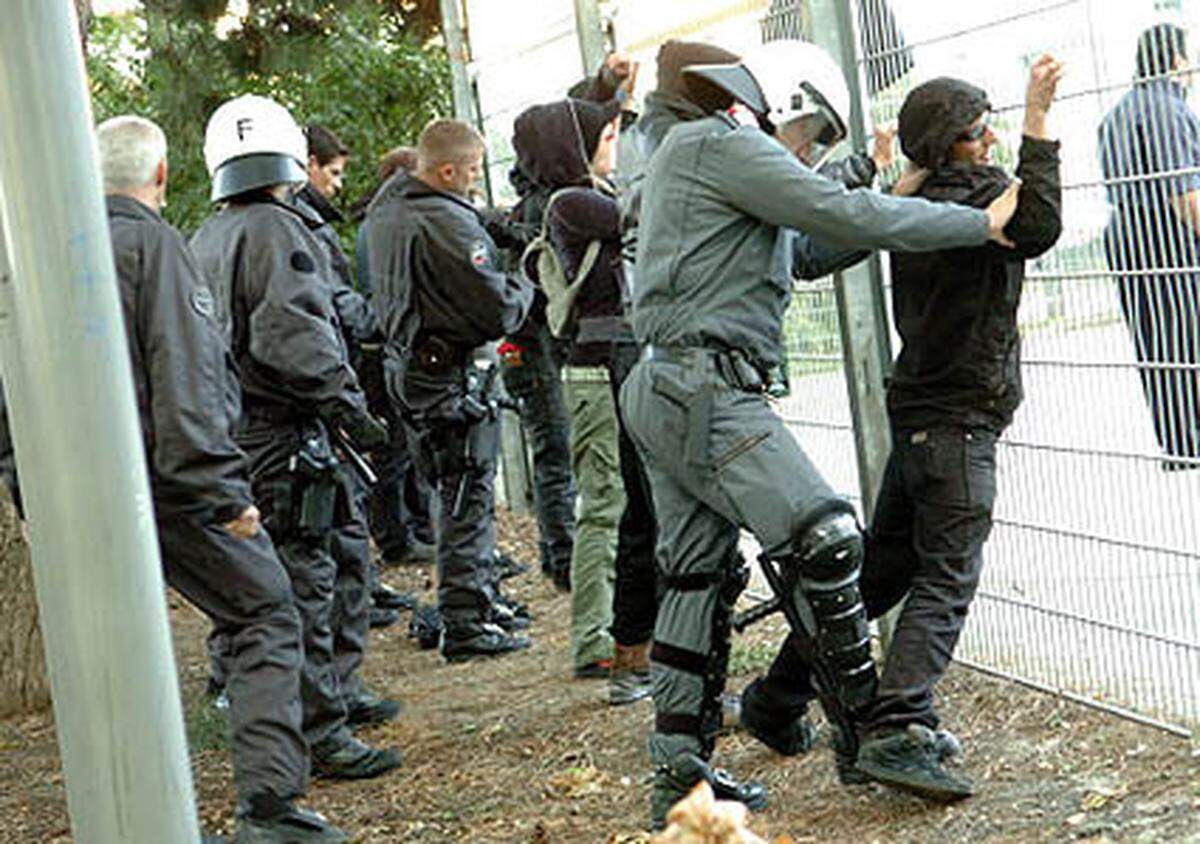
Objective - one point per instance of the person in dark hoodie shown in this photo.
(443, 299)
(570, 147)
(952, 392)
(530, 359)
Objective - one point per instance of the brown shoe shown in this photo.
(630, 677)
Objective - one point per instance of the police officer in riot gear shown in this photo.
(725, 210)
(441, 297)
(213, 550)
(270, 279)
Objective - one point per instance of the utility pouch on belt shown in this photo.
(316, 483)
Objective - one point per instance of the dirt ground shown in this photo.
(513, 750)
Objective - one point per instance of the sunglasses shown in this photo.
(974, 133)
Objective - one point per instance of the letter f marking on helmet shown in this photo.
(244, 125)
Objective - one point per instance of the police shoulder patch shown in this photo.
(202, 301)
(479, 254)
(302, 262)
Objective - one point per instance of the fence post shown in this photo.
(862, 311)
(589, 27)
(79, 451)
(458, 52)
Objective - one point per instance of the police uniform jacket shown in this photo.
(714, 264)
(270, 276)
(187, 391)
(354, 311)
(438, 289)
(956, 310)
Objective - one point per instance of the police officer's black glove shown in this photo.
(363, 430)
(853, 171)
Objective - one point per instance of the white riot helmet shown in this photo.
(784, 81)
(253, 142)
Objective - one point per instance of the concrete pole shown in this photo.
(589, 27)
(459, 54)
(79, 452)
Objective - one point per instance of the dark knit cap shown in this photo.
(934, 114)
(674, 56)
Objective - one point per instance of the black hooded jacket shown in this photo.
(956, 310)
(552, 151)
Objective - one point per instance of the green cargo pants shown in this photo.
(595, 462)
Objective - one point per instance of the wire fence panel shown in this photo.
(1092, 576)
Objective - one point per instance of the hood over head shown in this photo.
(934, 114)
(555, 142)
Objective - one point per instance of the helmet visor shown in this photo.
(823, 126)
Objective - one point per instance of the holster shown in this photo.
(306, 503)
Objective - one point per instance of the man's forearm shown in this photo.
(1035, 124)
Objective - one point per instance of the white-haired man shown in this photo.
(213, 548)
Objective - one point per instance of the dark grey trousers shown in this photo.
(535, 382)
(241, 585)
(714, 466)
(466, 541)
(350, 548)
(924, 546)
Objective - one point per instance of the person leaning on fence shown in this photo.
(1149, 147)
(569, 146)
(723, 207)
(271, 282)
(443, 299)
(213, 549)
(952, 392)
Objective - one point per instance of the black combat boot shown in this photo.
(784, 729)
(366, 708)
(347, 758)
(478, 640)
(267, 819)
(673, 781)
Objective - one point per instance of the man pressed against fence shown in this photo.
(952, 392)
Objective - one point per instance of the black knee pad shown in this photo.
(824, 576)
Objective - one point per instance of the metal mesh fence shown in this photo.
(1092, 572)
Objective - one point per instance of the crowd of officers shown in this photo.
(631, 307)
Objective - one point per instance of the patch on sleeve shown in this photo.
(202, 301)
(479, 254)
(302, 262)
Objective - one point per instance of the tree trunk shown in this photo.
(24, 686)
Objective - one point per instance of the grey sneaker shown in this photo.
(911, 760)
(673, 782)
(628, 685)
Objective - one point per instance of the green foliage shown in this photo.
(354, 66)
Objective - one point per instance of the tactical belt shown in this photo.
(273, 414)
(735, 367)
(603, 329)
(584, 375)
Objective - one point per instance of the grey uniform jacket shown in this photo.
(187, 391)
(438, 286)
(270, 276)
(714, 265)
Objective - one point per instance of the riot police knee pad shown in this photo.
(823, 573)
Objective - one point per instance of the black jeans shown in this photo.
(534, 380)
(924, 546)
(635, 595)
